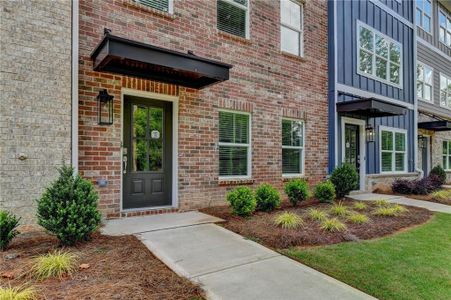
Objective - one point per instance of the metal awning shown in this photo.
(123, 56)
(371, 107)
(442, 125)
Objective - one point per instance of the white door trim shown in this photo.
(175, 143)
(362, 146)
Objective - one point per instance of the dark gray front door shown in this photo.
(425, 156)
(352, 146)
(147, 153)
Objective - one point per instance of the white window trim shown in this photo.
(300, 31)
(248, 145)
(431, 31)
(393, 130)
(388, 39)
(170, 6)
(448, 19)
(290, 175)
(423, 82)
(246, 9)
(448, 154)
(440, 90)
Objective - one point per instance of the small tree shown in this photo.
(8, 225)
(345, 179)
(68, 208)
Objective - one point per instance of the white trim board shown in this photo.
(362, 146)
(365, 94)
(175, 142)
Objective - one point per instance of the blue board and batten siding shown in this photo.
(395, 20)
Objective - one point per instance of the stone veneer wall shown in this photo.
(263, 81)
(35, 104)
(437, 148)
(372, 180)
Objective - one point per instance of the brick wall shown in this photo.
(35, 104)
(263, 81)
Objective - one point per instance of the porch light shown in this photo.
(369, 133)
(105, 108)
(421, 141)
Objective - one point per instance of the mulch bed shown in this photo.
(119, 268)
(260, 227)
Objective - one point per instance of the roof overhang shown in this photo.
(371, 107)
(446, 4)
(442, 125)
(123, 56)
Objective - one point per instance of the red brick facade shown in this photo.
(263, 81)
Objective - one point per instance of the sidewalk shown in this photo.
(229, 266)
(432, 206)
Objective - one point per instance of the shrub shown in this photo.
(339, 210)
(382, 203)
(360, 206)
(358, 218)
(317, 215)
(267, 197)
(333, 225)
(325, 192)
(56, 264)
(18, 293)
(422, 186)
(68, 208)
(403, 186)
(288, 220)
(440, 173)
(345, 179)
(8, 225)
(242, 201)
(442, 195)
(296, 190)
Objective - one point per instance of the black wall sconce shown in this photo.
(369, 133)
(422, 141)
(105, 108)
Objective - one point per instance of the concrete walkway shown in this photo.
(225, 264)
(432, 206)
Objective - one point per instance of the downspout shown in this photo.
(74, 86)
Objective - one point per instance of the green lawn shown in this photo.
(412, 265)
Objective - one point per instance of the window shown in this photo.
(393, 150)
(234, 144)
(292, 147)
(423, 14)
(379, 56)
(445, 28)
(445, 91)
(163, 5)
(424, 82)
(233, 17)
(291, 27)
(447, 155)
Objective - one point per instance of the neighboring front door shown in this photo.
(147, 153)
(425, 156)
(352, 146)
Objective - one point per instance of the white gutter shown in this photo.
(74, 85)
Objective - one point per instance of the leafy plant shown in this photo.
(242, 200)
(442, 195)
(317, 215)
(11, 293)
(333, 225)
(325, 192)
(56, 264)
(339, 210)
(345, 179)
(439, 172)
(8, 225)
(382, 203)
(296, 190)
(358, 218)
(267, 197)
(403, 186)
(422, 186)
(360, 206)
(288, 220)
(68, 208)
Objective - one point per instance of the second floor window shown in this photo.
(291, 27)
(445, 28)
(163, 5)
(424, 82)
(445, 91)
(233, 17)
(379, 56)
(424, 14)
(446, 155)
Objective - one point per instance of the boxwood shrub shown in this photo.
(345, 179)
(325, 192)
(267, 197)
(242, 200)
(296, 190)
(8, 225)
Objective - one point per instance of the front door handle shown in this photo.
(124, 163)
